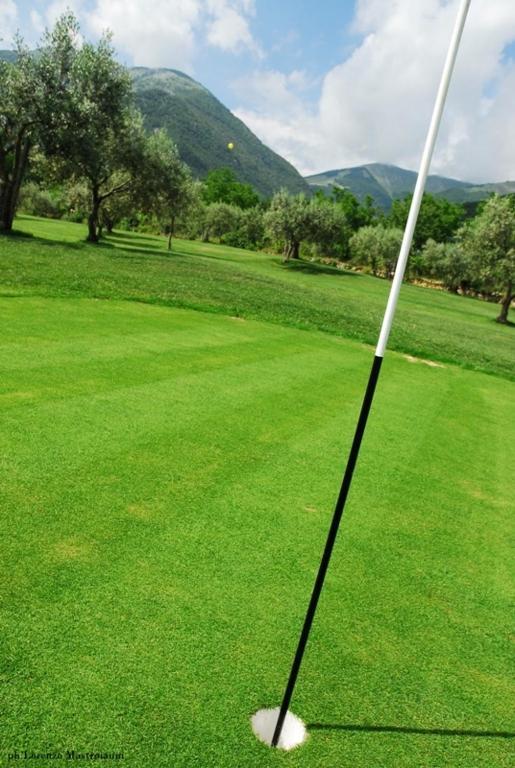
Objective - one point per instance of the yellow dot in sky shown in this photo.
(230, 145)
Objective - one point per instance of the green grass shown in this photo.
(431, 324)
(167, 478)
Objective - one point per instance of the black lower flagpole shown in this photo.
(378, 358)
(331, 538)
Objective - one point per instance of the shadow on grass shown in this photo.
(135, 242)
(131, 236)
(44, 241)
(311, 268)
(405, 729)
(18, 233)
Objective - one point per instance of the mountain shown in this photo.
(10, 56)
(385, 183)
(202, 128)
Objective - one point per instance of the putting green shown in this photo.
(166, 485)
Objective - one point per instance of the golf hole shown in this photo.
(293, 732)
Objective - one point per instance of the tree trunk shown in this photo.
(506, 303)
(93, 216)
(172, 229)
(291, 250)
(11, 185)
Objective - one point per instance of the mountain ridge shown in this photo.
(202, 127)
(386, 182)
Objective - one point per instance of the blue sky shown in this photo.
(330, 83)
(292, 34)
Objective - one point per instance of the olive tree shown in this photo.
(105, 141)
(163, 185)
(450, 263)
(376, 247)
(289, 220)
(489, 240)
(219, 219)
(34, 107)
(329, 228)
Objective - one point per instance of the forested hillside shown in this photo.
(202, 127)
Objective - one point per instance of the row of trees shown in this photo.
(474, 256)
(69, 128)
(67, 115)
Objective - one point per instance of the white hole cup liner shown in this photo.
(293, 732)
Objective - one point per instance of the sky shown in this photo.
(330, 83)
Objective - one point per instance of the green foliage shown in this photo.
(221, 186)
(289, 221)
(33, 107)
(163, 186)
(329, 229)
(438, 218)
(37, 201)
(489, 240)
(249, 231)
(358, 214)
(377, 247)
(103, 144)
(220, 218)
(450, 263)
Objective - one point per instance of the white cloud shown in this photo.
(162, 34)
(8, 22)
(279, 114)
(375, 105)
(228, 28)
(169, 32)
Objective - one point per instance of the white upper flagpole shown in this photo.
(422, 177)
(268, 724)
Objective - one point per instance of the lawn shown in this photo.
(55, 261)
(168, 475)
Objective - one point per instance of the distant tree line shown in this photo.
(73, 145)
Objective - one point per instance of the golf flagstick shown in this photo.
(378, 358)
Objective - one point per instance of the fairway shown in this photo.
(168, 476)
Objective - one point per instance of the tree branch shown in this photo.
(118, 188)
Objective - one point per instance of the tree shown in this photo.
(220, 218)
(289, 220)
(450, 263)
(163, 186)
(249, 232)
(103, 144)
(439, 219)
(328, 228)
(377, 247)
(221, 186)
(190, 221)
(357, 214)
(489, 240)
(34, 97)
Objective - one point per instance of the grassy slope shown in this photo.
(167, 478)
(428, 323)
